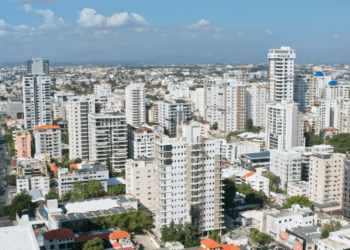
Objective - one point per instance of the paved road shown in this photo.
(4, 162)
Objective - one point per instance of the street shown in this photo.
(4, 162)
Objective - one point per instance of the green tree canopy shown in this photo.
(301, 200)
(215, 236)
(65, 138)
(52, 195)
(260, 238)
(116, 189)
(94, 244)
(11, 180)
(215, 126)
(20, 202)
(229, 135)
(275, 182)
(182, 233)
(341, 143)
(250, 127)
(230, 190)
(80, 190)
(312, 139)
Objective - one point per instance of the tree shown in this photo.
(11, 180)
(230, 190)
(244, 189)
(341, 143)
(92, 189)
(250, 127)
(301, 200)
(182, 233)
(215, 126)
(52, 195)
(94, 244)
(324, 233)
(275, 182)
(122, 174)
(20, 202)
(215, 236)
(109, 165)
(312, 139)
(65, 138)
(116, 189)
(259, 238)
(229, 135)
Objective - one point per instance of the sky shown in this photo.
(177, 31)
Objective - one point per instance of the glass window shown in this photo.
(347, 166)
(345, 189)
(346, 178)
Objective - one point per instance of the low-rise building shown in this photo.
(35, 181)
(48, 140)
(140, 181)
(84, 172)
(249, 161)
(55, 214)
(30, 166)
(300, 188)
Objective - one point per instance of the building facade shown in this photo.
(257, 97)
(23, 145)
(48, 140)
(135, 99)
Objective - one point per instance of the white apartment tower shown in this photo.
(36, 94)
(226, 104)
(135, 99)
(102, 89)
(305, 90)
(172, 112)
(257, 97)
(78, 108)
(188, 181)
(108, 135)
(48, 140)
(283, 126)
(281, 74)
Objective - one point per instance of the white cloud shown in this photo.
(240, 34)
(118, 19)
(269, 32)
(335, 36)
(88, 18)
(50, 20)
(34, 1)
(3, 23)
(3, 32)
(201, 24)
(21, 27)
(140, 29)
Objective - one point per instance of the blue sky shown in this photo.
(173, 31)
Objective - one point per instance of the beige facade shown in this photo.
(153, 114)
(140, 181)
(326, 177)
(203, 125)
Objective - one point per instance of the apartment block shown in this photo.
(78, 109)
(108, 135)
(342, 111)
(84, 172)
(326, 110)
(283, 126)
(226, 104)
(300, 188)
(281, 74)
(153, 114)
(23, 145)
(140, 181)
(30, 166)
(59, 111)
(38, 66)
(346, 186)
(48, 140)
(102, 89)
(257, 97)
(172, 112)
(141, 140)
(188, 181)
(305, 90)
(36, 101)
(326, 177)
(287, 165)
(135, 104)
(30, 182)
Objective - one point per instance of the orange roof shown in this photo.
(248, 175)
(74, 165)
(53, 168)
(230, 247)
(119, 235)
(210, 243)
(116, 244)
(9, 119)
(46, 127)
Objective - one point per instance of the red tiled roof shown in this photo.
(9, 119)
(91, 237)
(248, 175)
(59, 234)
(13, 164)
(46, 127)
(74, 165)
(230, 247)
(210, 243)
(116, 244)
(119, 235)
(53, 168)
(37, 233)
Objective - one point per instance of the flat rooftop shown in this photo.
(257, 155)
(18, 238)
(334, 244)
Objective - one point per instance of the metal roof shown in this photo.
(258, 155)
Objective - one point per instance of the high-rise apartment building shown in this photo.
(281, 74)
(141, 140)
(326, 177)
(346, 186)
(283, 125)
(188, 180)
(257, 97)
(140, 181)
(305, 90)
(226, 104)
(23, 145)
(135, 99)
(36, 101)
(342, 116)
(38, 66)
(153, 114)
(286, 164)
(172, 112)
(326, 110)
(108, 136)
(102, 89)
(48, 140)
(78, 108)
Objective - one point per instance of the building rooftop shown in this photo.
(309, 233)
(334, 244)
(18, 238)
(258, 155)
(59, 234)
(47, 127)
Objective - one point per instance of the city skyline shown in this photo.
(174, 32)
